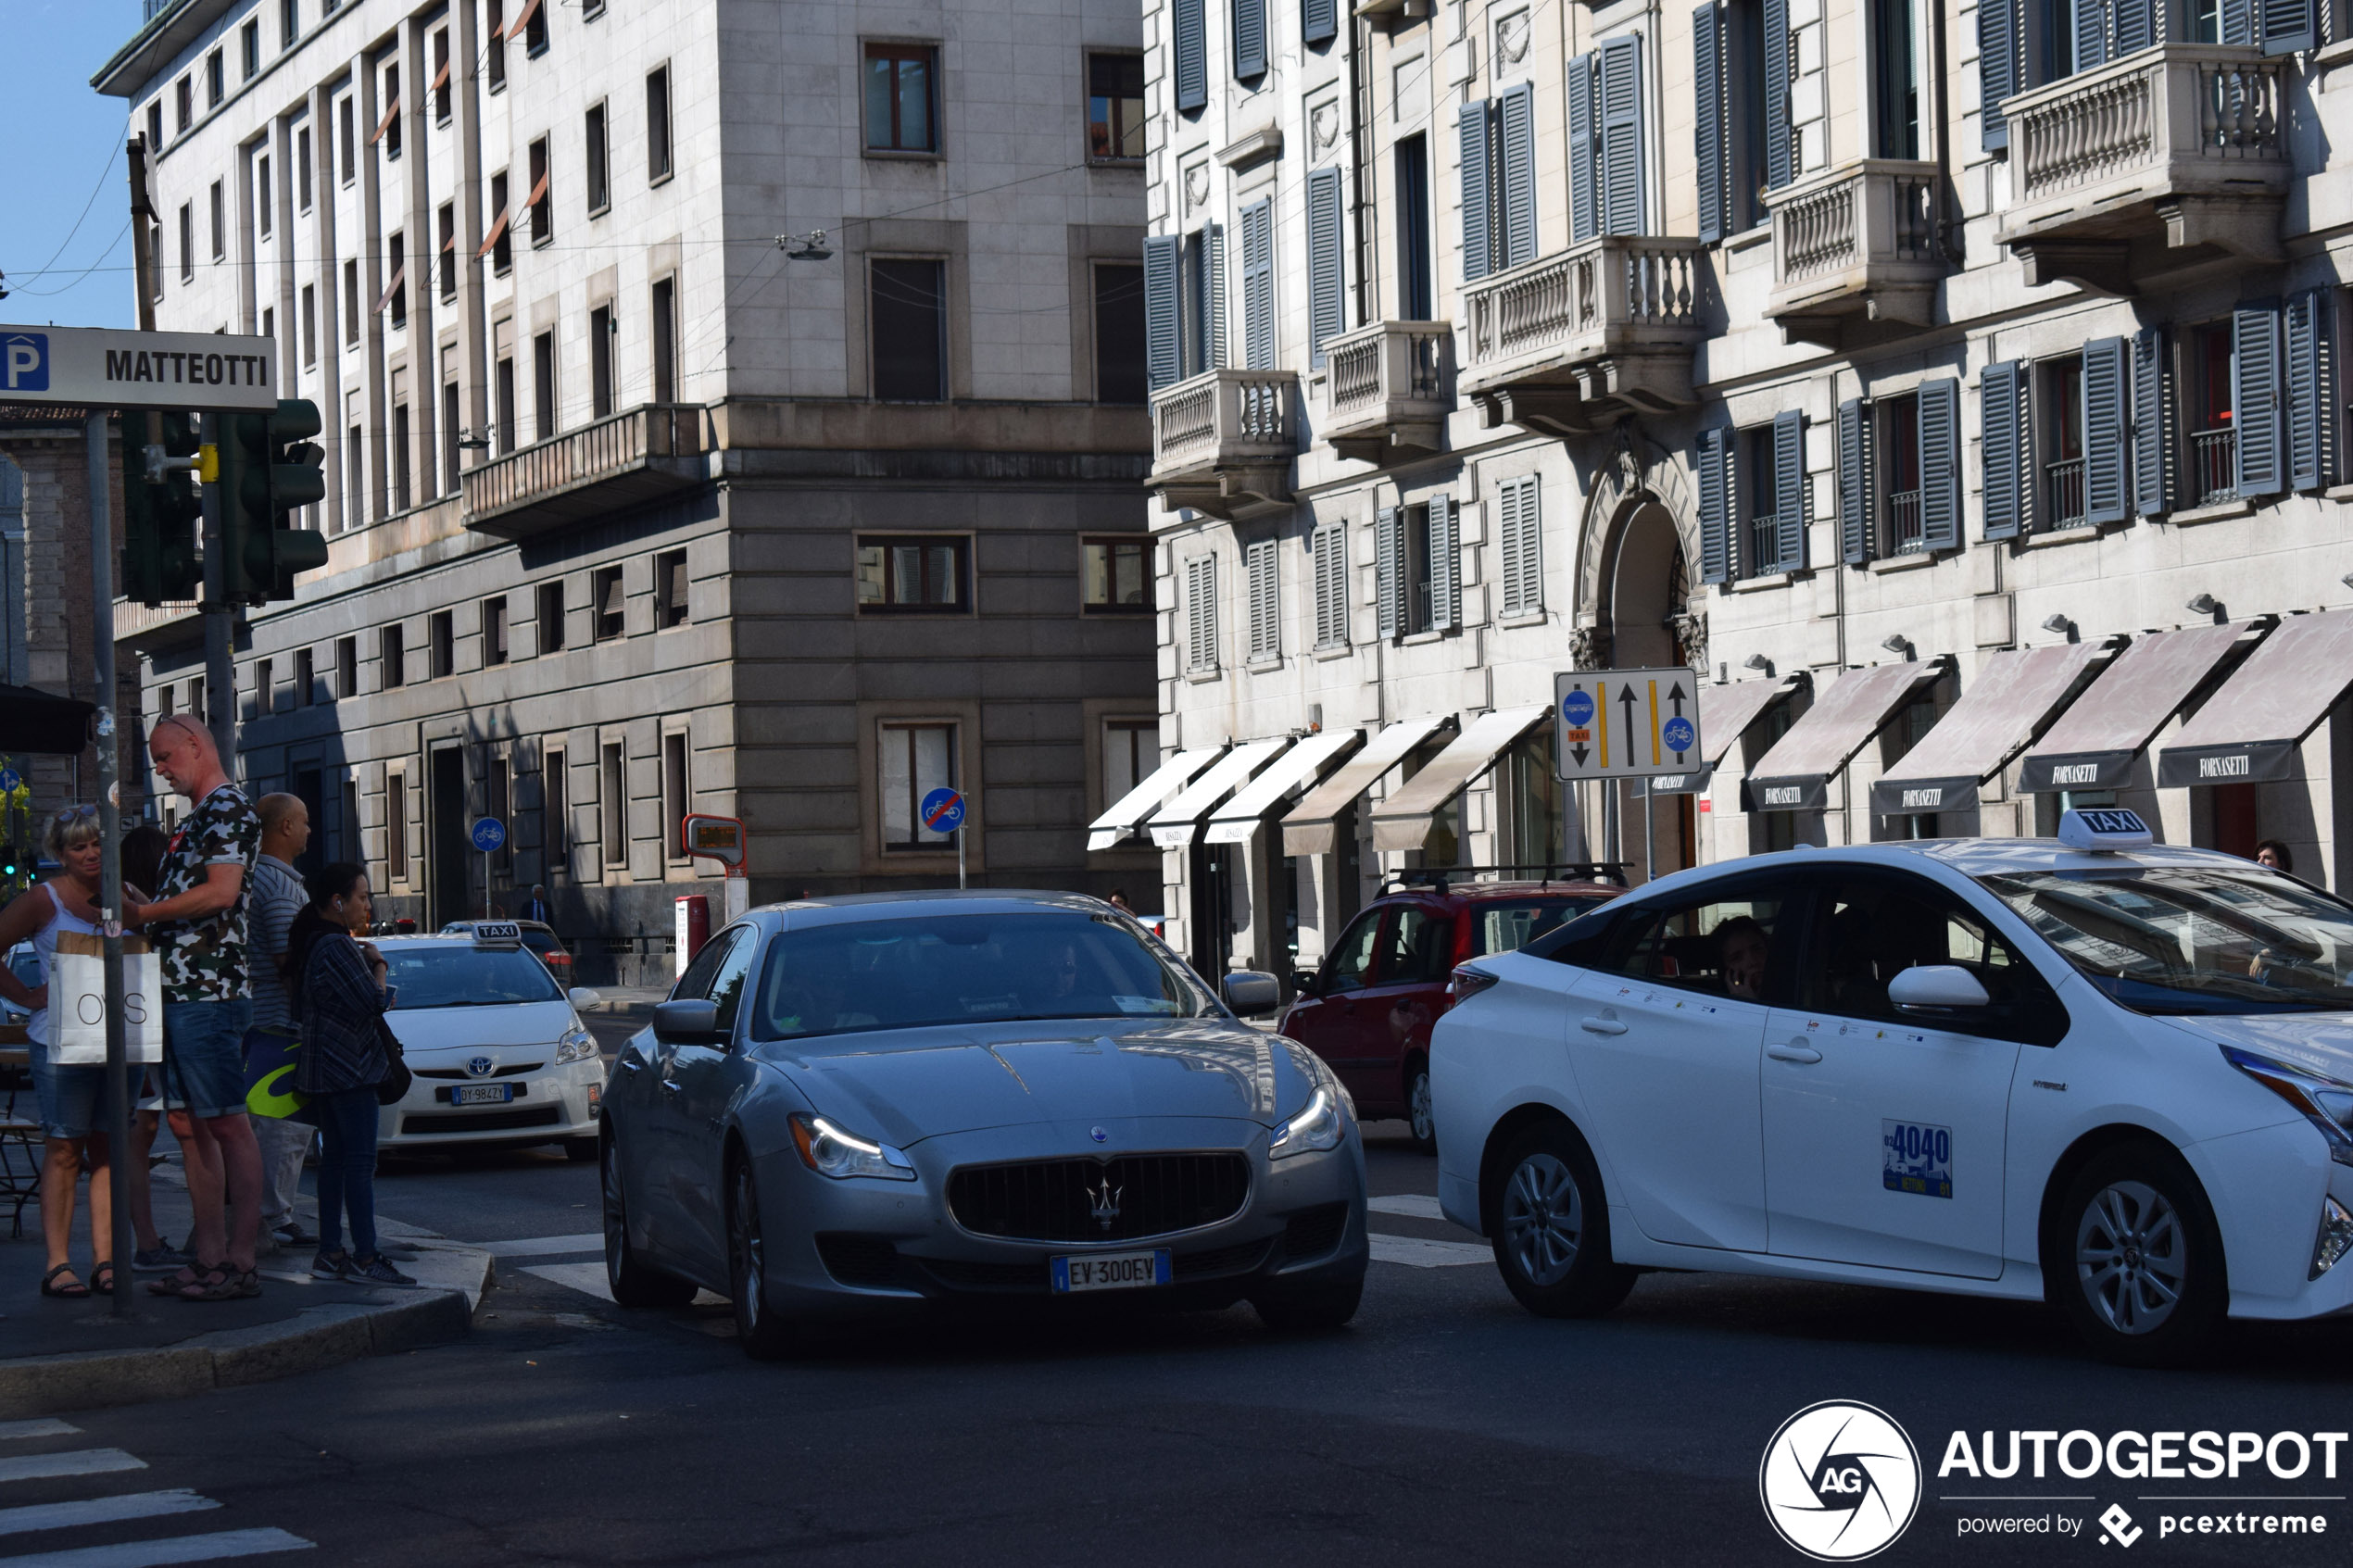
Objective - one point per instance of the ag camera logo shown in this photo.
(1841, 1481)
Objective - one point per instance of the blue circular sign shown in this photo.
(1578, 709)
(1677, 734)
(489, 833)
(942, 810)
(8, 780)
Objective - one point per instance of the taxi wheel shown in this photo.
(763, 1335)
(1552, 1228)
(2138, 1257)
(1419, 1114)
(633, 1282)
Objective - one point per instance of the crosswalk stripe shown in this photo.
(1414, 1205)
(100, 1511)
(42, 1428)
(174, 1549)
(81, 1462)
(1416, 1253)
(545, 1246)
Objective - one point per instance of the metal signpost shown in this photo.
(488, 835)
(721, 839)
(943, 811)
(1626, 724)
(109, 851)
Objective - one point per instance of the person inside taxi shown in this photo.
(1742, 949)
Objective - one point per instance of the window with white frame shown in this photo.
(1200, 615)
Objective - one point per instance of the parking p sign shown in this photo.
(24, 362)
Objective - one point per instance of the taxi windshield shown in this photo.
(2193, 939)
(448, 976)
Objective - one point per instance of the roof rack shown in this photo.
(1435, 878)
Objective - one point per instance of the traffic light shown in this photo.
(270, 467)
(161, 514)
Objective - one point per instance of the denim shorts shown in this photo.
(204, 1056)
(73, 1098)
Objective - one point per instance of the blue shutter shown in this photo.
(1997, 72)
(1940, 411)
(2105, 388)
(1789, 489)
(2238, 22)
(1258, 285)
(2135, 26)
(1445, 558)
(1707, 124)
(1584, 201)
(1318, 21)
(1515, 136)
(1189, 38)
(1854, 482)
(1479, 245)
(1164, 356)
(1249, 39)
(1621, 142)
(1323, 260)
(1389, 583)
(1715, 511)
(2149, 424)
(2002, 455)
(2288, 26)
(2091, 33)
(2254, 398)
(2308, 365)
(1212, 292)
(1778, 170)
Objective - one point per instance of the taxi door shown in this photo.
(703, 1082)
(1886, 1134)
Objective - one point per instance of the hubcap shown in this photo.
(747, 1248)
(2132, 1256)
(1543, 1220)
(1424, 1123)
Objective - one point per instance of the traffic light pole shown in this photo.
(220, 668)
(119, 1154)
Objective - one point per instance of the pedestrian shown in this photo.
(340, 998)
(142, 850)
(198, 925)
(535, 907)
(74, 1106)
(1118, 900)
(278, 897)
(2272, 853)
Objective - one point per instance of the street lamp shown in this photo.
(811, 246)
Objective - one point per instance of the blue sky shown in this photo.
(59, 135)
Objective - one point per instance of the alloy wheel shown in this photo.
(1425, 1119)
(1543, 1218)
(744, 1249)
(2132, 1256)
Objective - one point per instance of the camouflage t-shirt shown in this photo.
(204, 960)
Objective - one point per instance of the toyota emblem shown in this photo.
(480, 1066)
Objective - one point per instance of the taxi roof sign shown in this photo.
(2108, 828)
(497, 934)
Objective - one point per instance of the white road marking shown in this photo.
(100, 1511)
(545, 1246)
(43, 1429)
(174, 1549)
(1416, 1253)
(1414, 1205)
(589, 1278)
(81, 1462)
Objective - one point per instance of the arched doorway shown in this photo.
(1645, 613)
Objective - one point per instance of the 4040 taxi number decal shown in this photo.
(1915, 1158)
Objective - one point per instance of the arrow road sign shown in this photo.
(942, 810)
(1625, 723)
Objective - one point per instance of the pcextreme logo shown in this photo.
(1841, 1481)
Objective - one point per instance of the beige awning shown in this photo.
(2250, 730)
(1403, 822)
(1297, 769)
(2014, 695)
(1308, 829)
(1129, 815)
(1175, 824)
(1795, 775)
(2094, 743)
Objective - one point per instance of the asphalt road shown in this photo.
(1445, 1425)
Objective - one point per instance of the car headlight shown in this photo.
(829, 1151)
(1319, 1126)
(576, 1046)
(2325, 1102)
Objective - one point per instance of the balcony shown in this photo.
(1567, 341)
(2170, 157)
(1855, 241)
(1388, 393)
(623, 461)
(1223, 442)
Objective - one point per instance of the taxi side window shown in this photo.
(695, 984)
(1352, 959)
(1419, 944)
(1734, 943)
(1874, 927)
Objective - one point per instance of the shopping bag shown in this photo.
(78, 1002)
(270, 1059)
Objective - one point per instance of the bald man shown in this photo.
(277, 896)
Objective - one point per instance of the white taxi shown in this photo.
(2087, 1069)
(495, 1047)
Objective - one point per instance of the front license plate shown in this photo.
(1114, 1271)
(482, 1094)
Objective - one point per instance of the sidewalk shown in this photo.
(76, 1355)
(633, 1002)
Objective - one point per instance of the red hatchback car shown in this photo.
(1369, 1010)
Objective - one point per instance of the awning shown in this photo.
(1795, 775)
(523, 20)
(42, 722)
(2093, 745)
(1725, 713)
(2250, 729)
(1296, 769)
(1174, 825)
(497, 230)
(1402, 820)
(398, 274)
(1308, 830)
(2014, 695)
(1147, 797)
(385, 124)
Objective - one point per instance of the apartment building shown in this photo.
(1953, 390)
(730, 409)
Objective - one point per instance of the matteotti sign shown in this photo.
(101, 368)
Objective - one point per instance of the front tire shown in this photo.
(763, 1335)
(2138, 1257)
(1552, 1230)
(1318, 1308)
(1421, 1113)
(634, 1282)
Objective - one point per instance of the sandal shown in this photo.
(73, 1290)
(174, 1284)
(224, 1282)
(102, 1279)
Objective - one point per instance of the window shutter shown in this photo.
(2001, 410)
(1323, 260)
(1789, 489)
(1479, 245)
(2104, 441)
(1389, 586)
(2288, 26)
(1584, 204)
(1940, 406)
(1715, 514)
(2254, 398)
(1778, 137)
(1201, 608)
(2091, 33)
(1707, 125)
(1531, 547)
(1318, 21)
(1507, 541)
(1621, 150)
(1445, 566)
(1188, 34)
(1258, 285)
(1331, 585)
(2135, 26)
(2238, 22)
(1996, 68)
(2151, 444)
(1164, 356)
(1515, 130)
(1265, 607)
(1855, 481)
(2308, 379)
(1249, 39)
(1213, 288)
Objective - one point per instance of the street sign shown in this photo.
(943, 810)
(109, 368)
(8, 781)
(1625, 723)
(714, 838)
(489, 833)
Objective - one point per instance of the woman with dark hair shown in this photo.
(2272, 853)
(340, 998)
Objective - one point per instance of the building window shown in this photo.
(591, 9)
(216, 79)
(675, 803)
(600, 370)
(219, 223)
(388, 128)
(265, 688)
(607, 601)
(184, 96)
(494, 48)
(1116, 108)
(910, 322)
(493, 631)
(351, 304)
(657, 125)
(347, 669)
(599, 181)
(551, 616)
(670, 590)
(249, 46)
(395, 299)
(535, 29)
(543, 209)
(354, 458)
(155, 258)
(615, 809)
(452, 433)
(1265, 601)
(499, 785)
(916, 760)
(543, 385)
(900, 102)
(155, 127)
(395, 827)
(1116, 576)
(442, 95)
(306, 679)
(1131, 753)
(441, 643)
(2061, 397)
(347, 134)
(922, 575)
(310, 325)
(1519, 529)
(1121, 358)
(400, 458)
(2214, 440)
(502, 238)
(262, 204)
(1329, 546)
(289, 23)
(302, 169)
(1200, 615)
(555, 815)
(663, 322)
(503, 389)
(392, 655)
(1898, 80)
(445, 222)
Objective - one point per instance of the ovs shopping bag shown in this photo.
(78, 1002)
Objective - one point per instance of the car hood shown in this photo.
(2317, 1041)
(510, 1023)
(910, 1085)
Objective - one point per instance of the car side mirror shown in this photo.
(582, 996)
(1938, 989)
(1303, 983)
(688, 1024)
(1251, 993)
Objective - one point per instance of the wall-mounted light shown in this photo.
(1897, 644)
(2202, 604)
(2346, 580)
(811, 246)
(1757, 661)
(2059, 624)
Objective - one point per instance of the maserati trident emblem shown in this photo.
(480, 1066)
(1103, 1200)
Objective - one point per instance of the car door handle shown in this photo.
(627, 1065)
(1793, 1051)
(1603, 1023)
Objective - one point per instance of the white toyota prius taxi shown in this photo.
(2089, 1070)
(496, 1047)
